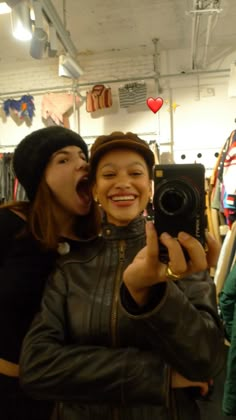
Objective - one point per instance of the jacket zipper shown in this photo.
(115, 411)
(116, 293)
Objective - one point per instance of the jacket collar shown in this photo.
(132, 230)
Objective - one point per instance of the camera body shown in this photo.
(179, 202)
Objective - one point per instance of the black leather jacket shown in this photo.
(92, 349)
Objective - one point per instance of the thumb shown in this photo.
(204, 387)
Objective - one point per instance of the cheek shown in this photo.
(56, 180)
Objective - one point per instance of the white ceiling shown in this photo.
(128, 26)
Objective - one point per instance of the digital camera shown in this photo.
(179, 202)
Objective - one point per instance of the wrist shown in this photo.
(140, 296)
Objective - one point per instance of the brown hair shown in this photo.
(40, 220)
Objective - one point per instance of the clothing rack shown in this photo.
(7, 146)
(63, 88)
(154, 76)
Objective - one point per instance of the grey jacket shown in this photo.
(92, 350)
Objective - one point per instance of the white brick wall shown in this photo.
(199, 123)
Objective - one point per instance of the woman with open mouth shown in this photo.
(52, 166)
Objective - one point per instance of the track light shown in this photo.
(38, 43)
(20, 20)
(40, 36)
(68, 67)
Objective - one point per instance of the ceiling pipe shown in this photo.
(195, 42)
(208, 33)
(195, 30)
(199, 9)
(55, 20)
(12, 3)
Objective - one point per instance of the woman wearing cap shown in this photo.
(51, 164)
(116, 337)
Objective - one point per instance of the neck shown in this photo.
(65, 222)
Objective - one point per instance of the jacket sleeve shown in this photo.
(53, 368)
(229, 397)
(227, 301)
(10, 225)
(185, 327)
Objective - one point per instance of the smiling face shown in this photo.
(66, 176)
(122, 185)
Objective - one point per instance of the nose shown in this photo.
(81, 164)
(123, 181)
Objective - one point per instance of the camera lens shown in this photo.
(176, 198)
(173, 202)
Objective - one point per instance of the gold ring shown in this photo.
(171, 275)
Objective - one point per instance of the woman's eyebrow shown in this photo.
(114, 165)
(61, 152)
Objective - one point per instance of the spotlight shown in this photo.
(20, 20)
(68, 67)
(38, 43)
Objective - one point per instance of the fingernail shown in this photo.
(165, 235)
(149, 224)
(184, 236)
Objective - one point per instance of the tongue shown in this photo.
(84, 192)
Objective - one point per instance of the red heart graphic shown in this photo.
(154, 104)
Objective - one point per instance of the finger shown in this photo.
(213, 250)
(177, 261)
(152, 248)
(195, 251)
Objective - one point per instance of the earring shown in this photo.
(95, 198)
(149, 209)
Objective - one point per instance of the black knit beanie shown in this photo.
(33, 153)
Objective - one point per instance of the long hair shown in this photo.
(40, 219)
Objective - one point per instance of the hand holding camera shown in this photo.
(147, 270)
(176, 244)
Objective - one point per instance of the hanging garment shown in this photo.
(99, 97)
(23, 107)
(132, 94)
(229, 183)
(55, 105)
(228, 311)
(225, 259)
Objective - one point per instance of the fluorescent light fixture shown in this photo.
(4, 8)
(68, 67)
(20, 19)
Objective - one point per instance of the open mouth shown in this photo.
(83, 190)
